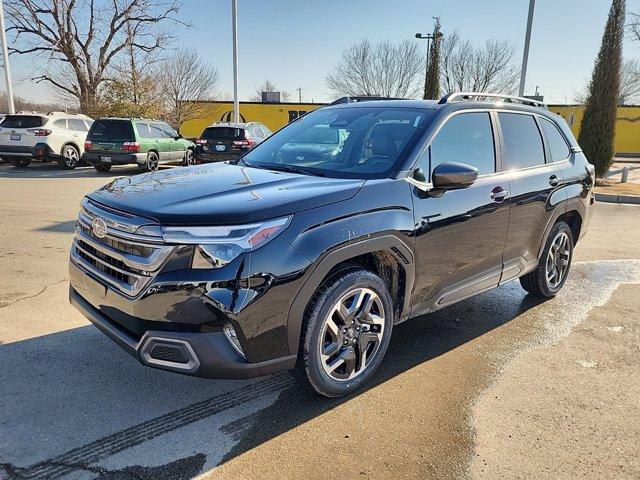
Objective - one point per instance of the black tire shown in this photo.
(537, 282)
(69, 157)
(189, 159)
(311, 369)
(103, 167)
(20, 162)
(151, 164)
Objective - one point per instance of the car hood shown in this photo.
(220, 193)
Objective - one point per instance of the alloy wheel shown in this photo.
(351, 334)
(152, 162)
(557, 263)
(71, 156)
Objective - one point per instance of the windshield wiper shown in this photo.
(293, 169)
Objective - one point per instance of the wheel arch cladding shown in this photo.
(574, 220)
(386, 256)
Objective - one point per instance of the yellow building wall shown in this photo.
(627, 138)
(273, 115)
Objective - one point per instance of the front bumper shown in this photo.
(115, 158)
(205, 354)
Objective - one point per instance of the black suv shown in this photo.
(308, 261)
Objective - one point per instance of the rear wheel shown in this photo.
(554, 265)
(346, 333)
(151, 164)
(102, 168)
(70, 157)
(20, 162)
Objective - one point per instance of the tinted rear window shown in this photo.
(111, 131)
(522, 141)
(223, 133)
(22, 121)
(557, 144)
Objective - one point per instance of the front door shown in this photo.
(163, 144)
(460, 234)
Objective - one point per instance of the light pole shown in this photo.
(525, 54)
(7, 69)
(428, 37)
(234, 21)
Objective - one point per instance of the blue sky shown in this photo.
(296, 43)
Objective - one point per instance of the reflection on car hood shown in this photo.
(221, 194)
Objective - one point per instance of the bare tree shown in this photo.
(269, 86)
(387, 69)
(629, 84)
(491, 68)
(82, 39)
(186, 81)
(633, 26)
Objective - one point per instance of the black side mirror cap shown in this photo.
(453, 175)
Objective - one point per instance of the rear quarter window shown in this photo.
(111, 131)
(522, 141)
(557, 144)
(22, 121)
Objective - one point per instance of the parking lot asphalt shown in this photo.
(498, 386)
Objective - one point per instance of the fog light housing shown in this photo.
(232, 338)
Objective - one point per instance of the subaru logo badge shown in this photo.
(99, 227)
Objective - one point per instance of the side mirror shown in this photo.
(452, 175)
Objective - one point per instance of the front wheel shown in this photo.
(553, 267)
(345, 334)
(70, 157)
(189, 159)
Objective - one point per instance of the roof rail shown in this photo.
(479, 96)
(361, 99)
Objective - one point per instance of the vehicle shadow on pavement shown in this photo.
(72, 402)
(52, 170)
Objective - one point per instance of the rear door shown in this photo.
(460, 234)
(163, 144)
(78, 130)
(20, 130)
(535, 183)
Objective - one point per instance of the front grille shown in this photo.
(120, 259)
(124, 247)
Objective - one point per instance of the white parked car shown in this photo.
(55, 136)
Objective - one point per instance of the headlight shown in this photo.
(217, 246)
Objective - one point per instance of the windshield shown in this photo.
(354, 142)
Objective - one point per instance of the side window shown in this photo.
(156, 131)
(61, 123)
(168, 131)
(77, 125)
(143, 130)
(522, 141)
(465, 138)
(266, 131)
(557, 144)
(88, 124)
(257, 132)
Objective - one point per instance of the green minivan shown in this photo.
(140, 141)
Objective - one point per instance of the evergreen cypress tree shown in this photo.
(598, 127)
(432, 80)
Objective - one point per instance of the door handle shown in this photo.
(554, 181)
(498, 194)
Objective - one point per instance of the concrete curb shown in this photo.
(615, 198)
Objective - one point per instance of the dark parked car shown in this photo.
(228, 141)
(294, 262)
